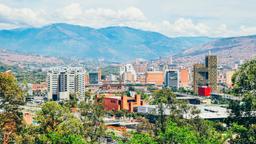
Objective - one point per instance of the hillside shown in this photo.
(112, 43)
(229, 50)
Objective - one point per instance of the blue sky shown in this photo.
(170, 17)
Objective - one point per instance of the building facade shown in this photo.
(128, 73)
(184, 77)
(154, 77)
(63, 81)
(206, 75)
(116, 103)
(172, 79)
(93, 77)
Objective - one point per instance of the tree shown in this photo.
(244, 79)
(57, 125)
(178, 134)
(11, 97)
(166, 100)
(243, 134)
(141, 138)
(92, 117)
(88, 96)
(243, 112)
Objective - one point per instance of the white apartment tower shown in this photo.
(63, 81)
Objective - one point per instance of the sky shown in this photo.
(213, 18)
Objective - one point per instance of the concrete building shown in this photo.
(63, 81)
(128, 74)
(140, 66)
(39, 89)
(154, 77)
(172, 79)
(206, 74)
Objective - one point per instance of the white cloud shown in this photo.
(184, 27)
(98, 17)
(22, 16)
(70, 12)
(75, 13)
(247, 30)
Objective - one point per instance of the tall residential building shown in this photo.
(63, 81)
(206, 75)
(172, 78)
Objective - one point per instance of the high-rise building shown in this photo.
(63, 81)
(206, 75)
(172, 78)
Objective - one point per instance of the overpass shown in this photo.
(227, 96)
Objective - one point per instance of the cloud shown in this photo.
(247, 30)
(132, 16)
(98, 17)
(19, 17)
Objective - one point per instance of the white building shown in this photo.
(63, 81)
(128, 73)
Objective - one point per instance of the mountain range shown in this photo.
(117, 43)
(113, 43)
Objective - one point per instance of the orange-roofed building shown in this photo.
(39, 87)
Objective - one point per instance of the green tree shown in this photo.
(243, 134)
(244, 79)
(11, 97)
(57, 125)
(141, 138)
(92, 114)
(178, 134)
(243, 112)
(166, 100)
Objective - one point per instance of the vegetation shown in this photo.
(35, 76)
(11, 97)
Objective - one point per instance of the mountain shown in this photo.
(229, 50)
(111, 43)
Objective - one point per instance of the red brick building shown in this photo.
(116, 103)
